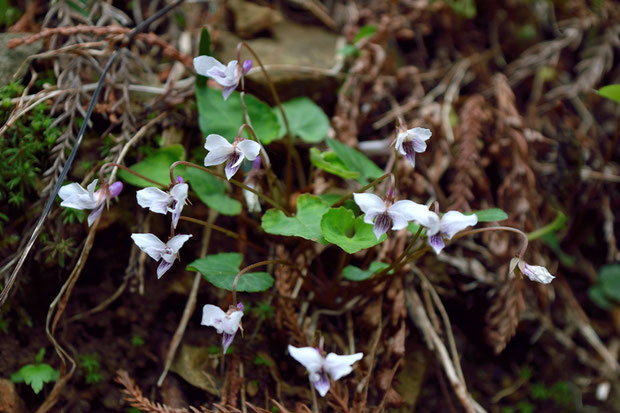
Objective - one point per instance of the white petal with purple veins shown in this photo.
(436, 241)
(163, 267)
(382, 224)
(322, 384)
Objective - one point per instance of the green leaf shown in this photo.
(339, 226)
(221, 270)
(364, 32)
(330, 162)
(155, 166)
(490, 215)
(212, 191)
(353, 273)
(597, 295)
(226, 117)
(305, 224)
(38, 359)
(552, 241)
(609, 279)
(305, 118)
(356, 161)
(349, 50)
(35, 375)
(414, 227)
(611, 92)
(204, 48)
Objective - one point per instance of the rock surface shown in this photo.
(299, 55)
(12, 59)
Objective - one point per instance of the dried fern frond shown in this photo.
(133, 396)
(504, 314)
(473, 116)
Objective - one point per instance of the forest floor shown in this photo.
(509, 91)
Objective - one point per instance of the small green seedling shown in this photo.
(36, 375)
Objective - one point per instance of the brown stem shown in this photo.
(276, 97)
(271, 178)
(106, 165)
(500, 228)
(370, 185)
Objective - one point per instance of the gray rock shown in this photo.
(12, 59)
(301, 55)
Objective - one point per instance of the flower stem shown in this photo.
(232, 181)
(251, 267)
(271, 178)
(499, 228)
(289, 136)
(106, 165)
(370, 185)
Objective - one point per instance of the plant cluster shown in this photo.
(239, 129)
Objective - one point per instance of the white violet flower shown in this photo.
(385, 213)
(536, 273)
(319, 366)
(408, 142)
(220, 150)
(74, 196)
(166, 253)
(226, 323)
(227, 76)
(446, 226)
(162, 202)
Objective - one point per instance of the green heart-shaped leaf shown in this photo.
(330, 162)
(155, 166)
(305, 224)
(353, 273)
(221, 270)
(305, 119)
(609, 279)
(212, 191)
(339, 226)
(215, 115)
(356, 161)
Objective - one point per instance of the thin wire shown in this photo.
(63, 174)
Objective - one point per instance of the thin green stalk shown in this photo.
(553, 226)
(214, 227)
(232, 181)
